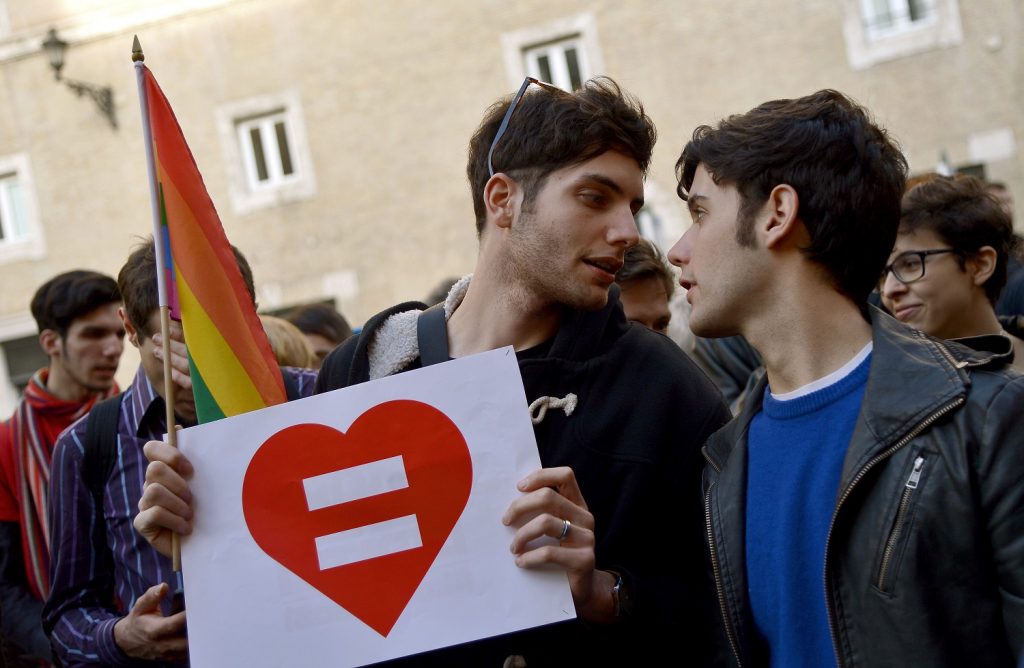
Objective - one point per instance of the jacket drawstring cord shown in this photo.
(539, 408)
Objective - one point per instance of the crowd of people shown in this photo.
(833, 473)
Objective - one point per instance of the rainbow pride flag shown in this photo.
(232, 365)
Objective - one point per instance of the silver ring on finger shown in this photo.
(566, 528)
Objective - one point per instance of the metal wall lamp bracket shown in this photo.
(103, 96)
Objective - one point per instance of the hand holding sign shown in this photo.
(552, 505)
(361, 524)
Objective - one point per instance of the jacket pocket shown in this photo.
(900, 527)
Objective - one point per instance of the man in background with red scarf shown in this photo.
(80, 330)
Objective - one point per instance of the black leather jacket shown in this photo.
(924, 564)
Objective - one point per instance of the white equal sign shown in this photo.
(370, 541)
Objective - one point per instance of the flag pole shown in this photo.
(138, 58)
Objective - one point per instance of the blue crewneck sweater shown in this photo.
(796, 452)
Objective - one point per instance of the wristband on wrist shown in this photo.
(621, 598)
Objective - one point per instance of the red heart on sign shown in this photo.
(362, 508)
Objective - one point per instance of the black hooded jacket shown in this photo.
(644, 410)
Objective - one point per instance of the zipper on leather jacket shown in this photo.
(717, 571)
(897, 527)
(957, 364)
(910, 435)
(710, 460)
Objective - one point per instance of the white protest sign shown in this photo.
(364, 524)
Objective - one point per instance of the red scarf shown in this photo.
(35, 426)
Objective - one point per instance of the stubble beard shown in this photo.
(531, 266)
(65, 362)
(91, 388)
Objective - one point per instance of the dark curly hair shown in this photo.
(643, 261)
(962, 211)
(137, 281)
(65, 297)
(848, 173)
(552, 129)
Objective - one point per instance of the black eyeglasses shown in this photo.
(508, 115)
(909, 266)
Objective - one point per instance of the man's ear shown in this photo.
(981, 264)
(49, 341)
(780, 223)
(500, 195)
(129, 328)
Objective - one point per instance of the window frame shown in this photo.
(900, 10)
(559, 73)
(247, 192)
(12, 327)
(580, 29)
(866, 47)
(266, 127)
(29, 245)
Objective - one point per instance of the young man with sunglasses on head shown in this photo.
(866, 507)
(556, 180)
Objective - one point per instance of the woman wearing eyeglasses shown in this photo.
(949, 265)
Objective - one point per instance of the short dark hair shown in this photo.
(552, 129)
(320, 319)
(848, 173)
(70, 295)
(962, 211)
(643, 261)
(137, 281)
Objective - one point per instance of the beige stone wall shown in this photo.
(390, 93)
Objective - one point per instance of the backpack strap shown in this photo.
(101, 446)
(100, 456)
(432, 334)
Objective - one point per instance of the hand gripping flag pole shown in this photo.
(138, 58)
(232, 367)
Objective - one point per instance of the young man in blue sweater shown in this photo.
(866, 506)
